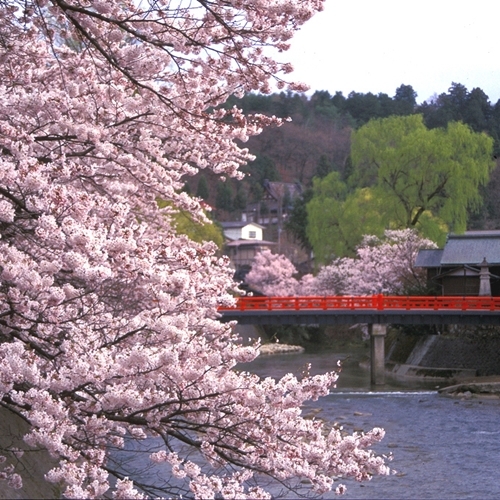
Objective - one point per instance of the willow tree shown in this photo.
(404, 176)
(338, 219)
(422, 174)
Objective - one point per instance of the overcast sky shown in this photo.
(377, 45)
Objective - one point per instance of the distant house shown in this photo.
(276, 202)
(469, 264)
(244, 242)
(242, 230)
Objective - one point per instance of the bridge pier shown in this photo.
(377, 345)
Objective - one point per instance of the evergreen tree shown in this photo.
(405, 100)
(240, 199)
(324, 167)
(296, 222)
(223, 200)
(202, 191)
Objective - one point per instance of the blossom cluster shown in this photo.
(109, 328)
(273, 275)
(382, 265)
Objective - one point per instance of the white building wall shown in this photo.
(233, 233)
(247, 232)
(251, 232)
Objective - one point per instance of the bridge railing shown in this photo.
(378, 302)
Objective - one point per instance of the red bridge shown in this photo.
(372, 309)
(379, 302)
(376, 310)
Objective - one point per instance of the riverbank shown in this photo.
(277, 348)
(464, 366)
(458, 358)
(487, 387)
(477, 387)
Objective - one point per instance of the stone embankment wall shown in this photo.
(458, 353)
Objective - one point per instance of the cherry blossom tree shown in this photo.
(273, 275)
(109, 332)
(382, 265)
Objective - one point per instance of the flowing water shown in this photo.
(442, 448)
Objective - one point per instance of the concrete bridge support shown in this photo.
(377, 362)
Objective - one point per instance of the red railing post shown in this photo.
(380, 302)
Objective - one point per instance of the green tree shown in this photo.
(223, 199)
(337, 219)
(405, 100)
(240, 200)
(297, 221)
(202, 190)
(422, 174)
(324, 212)
(196, 231)
(477, 113)
(322, 104)
(324, 167)
(193, 229)
(403, 176)
(363, 107)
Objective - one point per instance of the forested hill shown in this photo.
(317, 140)
(330, 116)
(458, 104)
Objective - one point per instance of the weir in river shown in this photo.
(442, 447)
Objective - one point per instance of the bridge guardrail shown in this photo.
(373, 302)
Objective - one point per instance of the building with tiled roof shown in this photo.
(244, 242)
(469, 264)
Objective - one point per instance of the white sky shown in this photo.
(377, 45)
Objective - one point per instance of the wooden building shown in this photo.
(469, 264)
(244, 240)
(278, 201)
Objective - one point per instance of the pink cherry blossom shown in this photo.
(109, 328)
(382, 265)
(273, 275)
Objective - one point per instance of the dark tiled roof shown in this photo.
(238, 223)
(249, 243)
(428, 258)
(471, 248)
(494, 233)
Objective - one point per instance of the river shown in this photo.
(442, 448)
